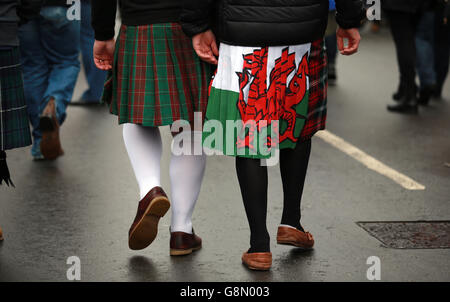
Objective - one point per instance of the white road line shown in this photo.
(369, 161)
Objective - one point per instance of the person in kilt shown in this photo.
(155, 79)
(271, 78)
(14, 123)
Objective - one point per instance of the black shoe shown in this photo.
(407, 104)
(401, 92)
(425, 95)
(437, 93)
(404, 107)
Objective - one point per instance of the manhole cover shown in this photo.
(410, 235)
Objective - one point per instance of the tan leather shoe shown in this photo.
(257, 261)
(184, 243)
(48, 123)
(145, 225)
(1, 234)
(294, 237)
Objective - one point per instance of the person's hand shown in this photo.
(206, 47)
(104, 54)
(353, 38)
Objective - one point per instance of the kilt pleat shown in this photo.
(317, 103)
(14, 123)
(157, 78)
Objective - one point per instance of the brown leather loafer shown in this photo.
(257, 261)
(294, 237)
(1, 234)
(145, 226)
(48, 123)
(184, 243)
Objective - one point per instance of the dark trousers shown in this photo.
(442, 49)
(403, 28)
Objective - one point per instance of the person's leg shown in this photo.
(186, 176)
(61, 40)
(94, 76)
(35, 75)
(144, 149)
(253, 182)
(425, 55)
(442, 52)
(403, 31)
(293, 167)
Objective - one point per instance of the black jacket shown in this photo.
(133, 13)
(56, 3)
(267, 22)
(13, 13)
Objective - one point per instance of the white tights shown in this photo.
(144, 147)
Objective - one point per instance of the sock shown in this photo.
(253, 182)
(186, 175)
(144, 149)
(293, 167)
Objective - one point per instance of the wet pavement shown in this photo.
(83, 203)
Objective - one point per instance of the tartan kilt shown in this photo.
(318, 84)
(157, 78)
(14, 123)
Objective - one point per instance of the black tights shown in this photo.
(253, 182)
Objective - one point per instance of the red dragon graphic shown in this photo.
(277, 102)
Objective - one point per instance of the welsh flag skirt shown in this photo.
(259, 99)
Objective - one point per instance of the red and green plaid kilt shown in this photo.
(14, 123)
(157, 78)
(318, 82)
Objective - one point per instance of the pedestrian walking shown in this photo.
(49, 55)
(156, 79)
(425, 45)
(14, 124)
(442, 45)
(403, 18)
(94, 76)
(270, 69)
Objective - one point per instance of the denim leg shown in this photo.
(35, 75)
(442, 49)
(425, 49)
(61, 41)
(94, 76)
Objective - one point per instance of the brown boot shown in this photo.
(184, 243)
(1, 234)
(145, 226)
(257, 261)
(294, 237)
(48, 123)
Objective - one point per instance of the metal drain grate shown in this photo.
(410, 234)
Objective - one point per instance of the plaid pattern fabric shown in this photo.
(318, 83)
(157, 78)
(14, 124)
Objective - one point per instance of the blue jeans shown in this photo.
(94, 76)
(425, 49)
(50, 45)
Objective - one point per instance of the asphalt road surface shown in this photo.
(83, 204)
